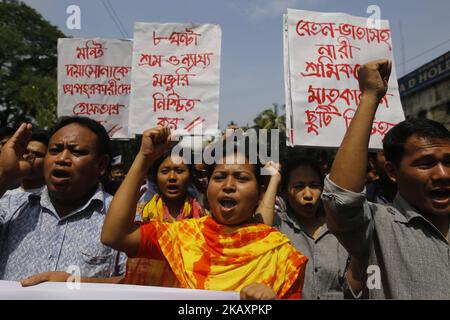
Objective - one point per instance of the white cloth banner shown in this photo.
(94, 80)
(322, 52)
(12, 290)
(175, 80)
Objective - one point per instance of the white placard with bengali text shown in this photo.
(94, 80)
(12, 290)
(176, 77)
(322, 52)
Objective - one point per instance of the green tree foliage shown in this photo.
(28, 62)
(271, 119)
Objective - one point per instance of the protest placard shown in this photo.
(12, 290)
(94, 80)
(322, 54)
(175, 77)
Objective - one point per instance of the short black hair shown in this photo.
(299, 161)
(103, 140)
(40, 135)
(395, 139)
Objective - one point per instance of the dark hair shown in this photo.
(236, 150)
(299, 161)
(6, 132)
(40, 135)
(103, 140)
(395, 139)
(155, 166)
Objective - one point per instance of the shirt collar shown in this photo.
(288, 216)
(405, 212)
(44, 199)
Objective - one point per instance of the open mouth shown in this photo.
(60, 176)
(440, 194)
(172, 187)
(227, 204)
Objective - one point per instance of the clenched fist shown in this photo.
(373, 78)
(257, 291)
(12, 163)
(155, 142)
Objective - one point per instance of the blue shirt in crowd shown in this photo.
(34, 239)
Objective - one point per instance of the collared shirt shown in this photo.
(327, 259)
(407, 257)
(20, 190)
(34, 239)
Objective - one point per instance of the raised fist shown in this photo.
(155, 142)
(13, 165)
(373, 77)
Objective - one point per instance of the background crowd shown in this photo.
(364, 225)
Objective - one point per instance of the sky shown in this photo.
(252, 76)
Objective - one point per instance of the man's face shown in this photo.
(35, 153)
(117, 174)
(71, 166)
(423, 175)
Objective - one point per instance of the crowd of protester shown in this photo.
(373, 225)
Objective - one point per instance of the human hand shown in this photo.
(155, 142)
(273, 169)
(13, 165)
(373, 78)
(52, 276)
(257, 291)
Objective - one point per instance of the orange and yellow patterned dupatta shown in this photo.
(153, 272)
(206, 255)
(157, 210)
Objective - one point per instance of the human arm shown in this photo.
(348, 212)
(257, 291)
(60, 276)
(355, 278)
(266, 208)
(373, 82)
(119, 230)
(12, 164)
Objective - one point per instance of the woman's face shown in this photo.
(173, 178)
(303, 191)
(233, 192)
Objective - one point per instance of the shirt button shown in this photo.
(316, 269)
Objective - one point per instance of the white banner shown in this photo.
(12, 290)
(94, 80)
(176, 74)
(322, 54)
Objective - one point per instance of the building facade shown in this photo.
(425, 92)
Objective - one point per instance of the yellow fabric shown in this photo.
(154, 272)
(156, 209)
(206, 255)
